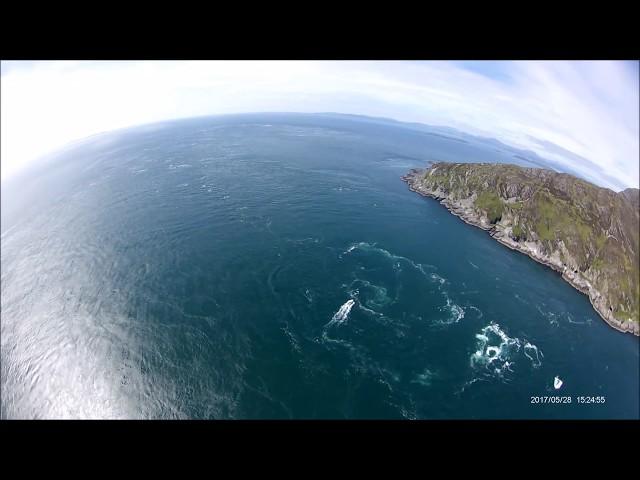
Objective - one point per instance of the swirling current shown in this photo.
(275, 266)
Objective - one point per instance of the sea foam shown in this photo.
(496, 352)
(371, 247)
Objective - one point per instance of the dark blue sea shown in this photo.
(274, 266)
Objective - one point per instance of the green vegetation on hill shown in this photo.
(593, 230)
(491, 204)
(518, 232)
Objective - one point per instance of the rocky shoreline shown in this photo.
(464, 210)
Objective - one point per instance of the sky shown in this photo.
(582, 114)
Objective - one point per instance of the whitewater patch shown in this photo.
(496, 353)
(455, 312)
(533, 354)
(492, 355)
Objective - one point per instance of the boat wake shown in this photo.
(342, 314)
(339, 317)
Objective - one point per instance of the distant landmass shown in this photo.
(521, 155)
(587, 233)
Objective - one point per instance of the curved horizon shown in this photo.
(580, 115)
(540, 163)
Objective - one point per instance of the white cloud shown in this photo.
(588, 108)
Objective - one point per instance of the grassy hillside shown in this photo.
(592, 230)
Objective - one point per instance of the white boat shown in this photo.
(557, 383)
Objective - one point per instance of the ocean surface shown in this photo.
(275, 266)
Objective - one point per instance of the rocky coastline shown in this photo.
(463, 209)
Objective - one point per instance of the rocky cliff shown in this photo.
(587, 233)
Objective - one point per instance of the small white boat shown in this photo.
(557, 383)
